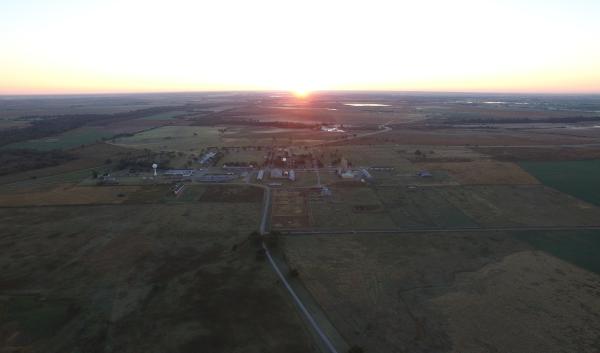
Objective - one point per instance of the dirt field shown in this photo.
(113, 279)
(482, 172)
(449, 293)
(290, 209)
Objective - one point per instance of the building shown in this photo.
(366, 174)
(292, 175)
(347, 174)
(208, 156)
(179, 172)
(424, 174)
(261, 175)
(277, 173)
(382, 168)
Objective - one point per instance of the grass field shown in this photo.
(173, 138)
(165, 116)
(428, 207)
(351, 207)
(145, 277)
(362, 207)
(480, 172)
(579, 248)
(533, 205)
(578, 178)
(449, 292)
(66, 140)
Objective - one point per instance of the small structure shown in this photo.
(292, 175)
(261, 175)
(325, 191)
(216, 178)
(347, 174)
(277, 173)
(179, 172)
(366, 174)
(382, 168)
(208, 156)
(424, 174)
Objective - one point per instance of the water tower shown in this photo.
(154, 166)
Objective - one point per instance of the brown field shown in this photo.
(290, 209)
(482, 172)
(449, 293)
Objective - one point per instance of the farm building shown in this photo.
(179, 172)
(347, 174)
(216, 178)
(277, 173)
(208, 157)
(382, 168)
(366, 174)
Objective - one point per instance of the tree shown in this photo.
(95, 174)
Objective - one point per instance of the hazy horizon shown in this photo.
(133, 46)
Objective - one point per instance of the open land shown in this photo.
(401, 222)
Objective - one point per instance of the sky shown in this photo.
(99, 46)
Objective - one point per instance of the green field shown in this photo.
(165, 116)
(578, 178)
(423, 207)
(66, 140)
(579, 248)
(173, 138)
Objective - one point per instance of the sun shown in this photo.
(301, 92)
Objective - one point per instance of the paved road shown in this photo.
(435, 230)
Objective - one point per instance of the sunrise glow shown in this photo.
(66, 46)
